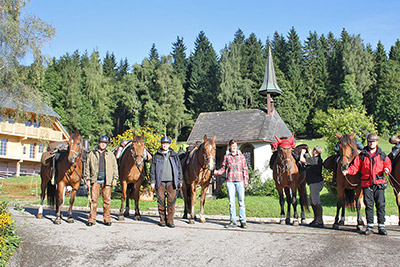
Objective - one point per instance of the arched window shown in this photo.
(248, 151)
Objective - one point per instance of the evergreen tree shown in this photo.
(179, 59)
(110, 66)
(122, 69)
(153, 54)
(203, 78)
(394, 53)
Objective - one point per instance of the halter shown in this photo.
(284, 163)
(135, 156)
(205, 159)
(349, 158)
(76, 154)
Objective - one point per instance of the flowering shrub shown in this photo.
(151, 138)
(8, 239)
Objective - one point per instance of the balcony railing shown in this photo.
(19, 129)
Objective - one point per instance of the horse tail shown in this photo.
(303, 197)
(51, 194)
(349, 195)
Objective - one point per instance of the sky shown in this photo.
(129, 28)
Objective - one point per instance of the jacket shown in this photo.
(157, 167)
(314, 170)
(92, 167)
(372, 168)
(235, 167)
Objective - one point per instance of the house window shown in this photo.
(3, 147)
(35, 124)
(32, 150)
(28, 123)
(40, 148)
(11, 121)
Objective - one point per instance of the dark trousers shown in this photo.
(166, 212)
(374, 194)
(106, 190)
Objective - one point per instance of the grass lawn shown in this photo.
(23, 190)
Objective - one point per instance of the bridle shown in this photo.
(136, 156)
(76, 154)
(352, 155)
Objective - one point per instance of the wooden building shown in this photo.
(26, 128)
(253, 129)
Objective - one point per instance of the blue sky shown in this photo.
(129, 28)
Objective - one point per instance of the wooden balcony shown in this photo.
(20, 130)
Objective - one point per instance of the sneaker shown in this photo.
(231, 225)
(243, 225)
(382, 231)
(171, 225)
(368, 231)
(162, 224)
(107, 223)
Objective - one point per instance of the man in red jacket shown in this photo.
(373, 163)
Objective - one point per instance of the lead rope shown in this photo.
(391, 180)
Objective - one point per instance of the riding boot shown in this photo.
(315, 217)
(320, 219)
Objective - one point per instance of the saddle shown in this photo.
(190, 153)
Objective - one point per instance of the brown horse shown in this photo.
(287, 178)
(132, 171)
(197, 171)
(69, 172)
(394, 179)
(349, 186)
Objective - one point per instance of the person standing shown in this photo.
(315, 182)
(166, 179)
(101, 172)
(373, 163)
(237, 179)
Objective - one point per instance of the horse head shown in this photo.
(347, 150)
(209, 152)
(75, 147)
(138, 149)
(285, 147)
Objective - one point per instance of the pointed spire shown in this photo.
(270, 86)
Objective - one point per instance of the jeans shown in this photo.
(233, 188)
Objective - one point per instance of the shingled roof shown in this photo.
(7, 100)
(249, 125)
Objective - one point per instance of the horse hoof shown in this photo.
(126, 214)
(39, 216)
(341, 223)
(335, 226)
(295, 222)
(121, 218)
(184, 216)
(137, 218)
(282, 221)
(70, 220)
(191, 221)
(202, 220)
(57, 221)
(360, 227)
(287, 221)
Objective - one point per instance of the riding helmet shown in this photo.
(372, 137)
(166, 139)
(104, 139)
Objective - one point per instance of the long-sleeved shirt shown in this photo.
(235, 167)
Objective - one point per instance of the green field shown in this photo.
(22, 191)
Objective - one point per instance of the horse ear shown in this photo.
(205, 138)
(214, 138)
(278, 139)
(338, 136)
(291, 138)
(352, 135)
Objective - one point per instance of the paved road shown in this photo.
(143, 243)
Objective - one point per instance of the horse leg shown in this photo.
(360, 222)
(42, 196)
(186, 199)
(303, 202)
(129, 191)
(192, 203)
(339, 206)
(342, 217)
(398, 203)
(136, 192)
(123, 198)
(289, 203)
(294, 203)
(202, 201)
(59, 202)
(71, 203)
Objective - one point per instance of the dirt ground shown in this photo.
(144, 243)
